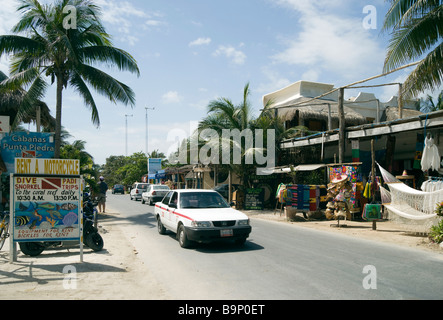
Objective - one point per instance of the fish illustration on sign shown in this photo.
(55, 214)
(23, 208)
(67, 207)
(46, 205)
(34, 206)
(22, 221)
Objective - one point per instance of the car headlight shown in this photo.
(201, 224)
(243, 222)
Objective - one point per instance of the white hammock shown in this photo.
(413, 207)
(414, 203)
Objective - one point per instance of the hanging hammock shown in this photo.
(414, 207)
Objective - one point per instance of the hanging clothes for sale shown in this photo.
(431, 157)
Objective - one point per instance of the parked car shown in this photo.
(137, 189)
(154, 193)
(118, 188)
(200, 216)
(223, 189)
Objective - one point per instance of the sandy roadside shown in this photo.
(116, 273)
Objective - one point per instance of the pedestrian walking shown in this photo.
(103, 188)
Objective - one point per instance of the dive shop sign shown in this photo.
(46, 202)
(46, 209)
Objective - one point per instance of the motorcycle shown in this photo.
(91, 237)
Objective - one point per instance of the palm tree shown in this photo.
(428, 105)
(223, 114)
(65, 55)
(88, 169)
(10, 102)
(417, 29)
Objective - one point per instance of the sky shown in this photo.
(191, 52)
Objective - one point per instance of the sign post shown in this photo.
(46, 202)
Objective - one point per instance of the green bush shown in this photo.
(436, 233)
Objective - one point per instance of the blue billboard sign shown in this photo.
(26, 145)
(154, 165)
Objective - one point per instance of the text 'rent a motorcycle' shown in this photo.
(91, 236)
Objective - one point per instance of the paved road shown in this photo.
(280, 261)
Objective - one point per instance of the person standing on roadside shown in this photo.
(103, 187)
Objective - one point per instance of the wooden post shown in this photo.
(374, 223)
(38, 116)
(390, 150)
(400, 101)
(342, 124)
(329, 117)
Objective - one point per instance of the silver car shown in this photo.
(154, 193)
(137, 189)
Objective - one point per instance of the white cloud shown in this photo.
(200, 41)
(128, 19)
(153, 23)
(330, 42)
(171, 97)
(276, 81)
(236, 56)
(8, 16)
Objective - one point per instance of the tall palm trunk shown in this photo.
(58, 116)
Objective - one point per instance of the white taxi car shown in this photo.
(200, 216)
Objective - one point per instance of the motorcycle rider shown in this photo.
(103, 187)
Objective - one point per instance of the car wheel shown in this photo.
(182, 238)
(160, 227)
(143, 201)
(150, 202)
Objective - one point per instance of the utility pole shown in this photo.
(342, 124)
(146, 126)
(126, 146)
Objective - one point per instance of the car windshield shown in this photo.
(201, 200)
(161, 188)
(142, 186)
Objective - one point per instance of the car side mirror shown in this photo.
(173, 205)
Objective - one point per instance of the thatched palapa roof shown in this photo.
(318, 109)
(392, 113)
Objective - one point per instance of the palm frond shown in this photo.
(20, 79)
(107, 85)
(13, 44)
(413, 39)
(107, 54)
(427, 75)
(35, 92)
(402, 11)
(80, 86)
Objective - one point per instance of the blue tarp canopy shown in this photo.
(161, 174)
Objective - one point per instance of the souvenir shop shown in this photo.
(344, 193)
